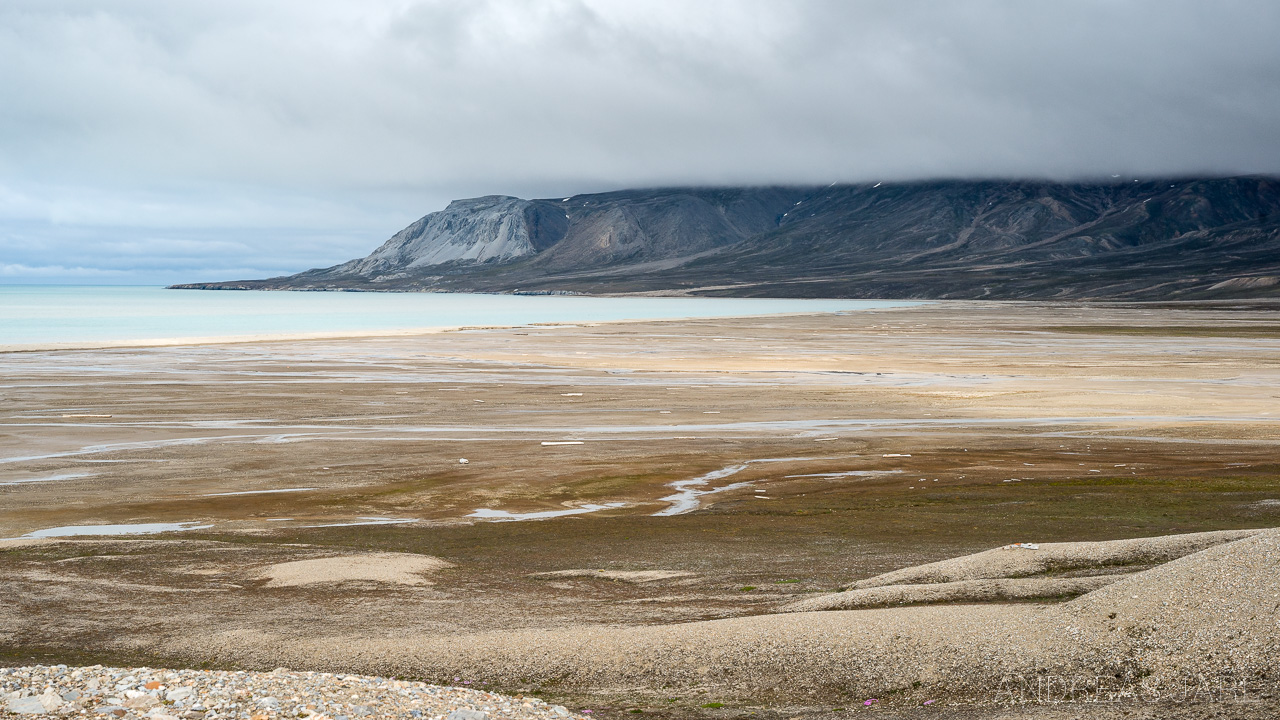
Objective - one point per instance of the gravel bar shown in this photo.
(108, 692)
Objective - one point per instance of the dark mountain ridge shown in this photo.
(1181, 238)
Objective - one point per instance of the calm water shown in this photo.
(50, 315)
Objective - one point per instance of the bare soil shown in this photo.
(868, 441)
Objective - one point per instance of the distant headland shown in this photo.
(1123, 238)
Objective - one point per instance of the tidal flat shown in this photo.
(621, 516)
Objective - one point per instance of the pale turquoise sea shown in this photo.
(53, 315)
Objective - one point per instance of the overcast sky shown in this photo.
(159, 141)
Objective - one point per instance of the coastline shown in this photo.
(233, 339)
(900, 443)
(414, 332)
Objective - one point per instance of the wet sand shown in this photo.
(747, 464)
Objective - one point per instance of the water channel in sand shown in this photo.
(134, 529)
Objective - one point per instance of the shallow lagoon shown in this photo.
(80, 316)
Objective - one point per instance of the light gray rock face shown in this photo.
(27, 705)
(477, 230)
(35, 704)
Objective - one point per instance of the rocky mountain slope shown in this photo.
(479, 230)
(1125, 238)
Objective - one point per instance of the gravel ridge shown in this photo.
(996, 589)
(159, 694)
(1205, 623)
(1012, 561)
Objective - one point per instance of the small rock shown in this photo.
(182, 693)
(141, 702)
(30, 705)
(467, 714)
(50, 699)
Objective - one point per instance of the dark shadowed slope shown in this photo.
(1147, 239)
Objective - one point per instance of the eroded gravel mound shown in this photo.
(1204, 617)
(996, 590)
(1217, 609)
(1012, 561)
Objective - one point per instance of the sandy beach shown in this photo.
(786, 516)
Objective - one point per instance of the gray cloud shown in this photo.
(272, 136)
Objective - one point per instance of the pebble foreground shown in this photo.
(206, 694)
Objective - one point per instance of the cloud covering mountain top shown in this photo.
(271, 136)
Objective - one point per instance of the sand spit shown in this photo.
(1010, 561)
(994, 590)
(18, 542)
(393, 568)
(632, 576)
(1211, 614)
